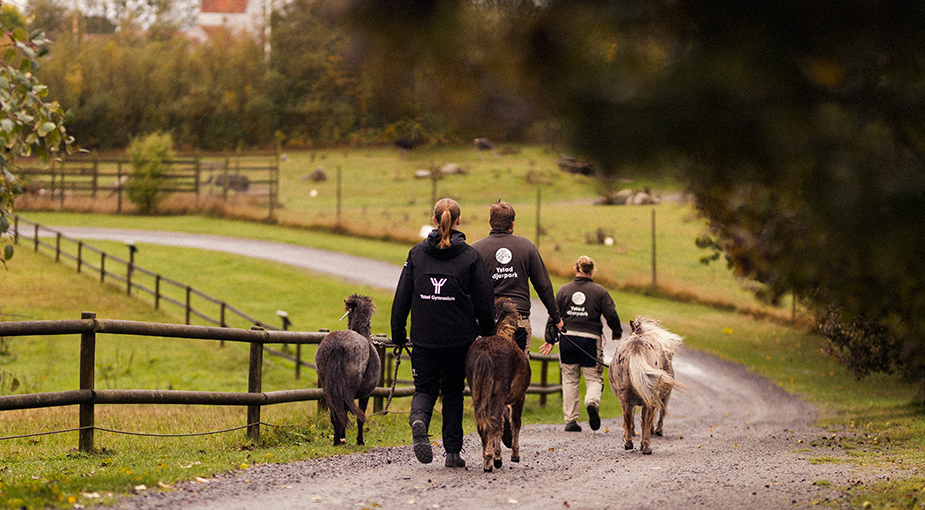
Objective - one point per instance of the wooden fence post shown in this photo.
(36, 239)
(96, 173)
(255, 385)
(544, 380)
(379, 402)
(322, 403)
(80, 249)
(654, 276)
(58, 247)
(87, 376)
(189, 291)
(197, 170)
(61, 199)
(16, 229)
(157, 291)
(102, 266)
(119, 186)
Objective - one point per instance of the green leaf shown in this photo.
(7, 255)
(46, 128)
(15, 385)
(7, 125)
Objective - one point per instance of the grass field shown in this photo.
(34, 472)
(376, 196)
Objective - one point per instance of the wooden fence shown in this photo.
(87, 396)
(92, 176)
(160, 289)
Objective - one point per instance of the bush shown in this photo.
(150, 157)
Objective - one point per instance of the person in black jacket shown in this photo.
(445, 287)
(514, 263)
(582, 303)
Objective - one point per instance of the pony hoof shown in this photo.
(487, 470)
(647, 452)
(515, 458)
(628, 446)
(340, 442)
(658, 433)
(498, 463)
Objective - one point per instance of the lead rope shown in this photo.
(388, 402)
(564, 334)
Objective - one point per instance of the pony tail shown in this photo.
(446, 212)
(446, 227)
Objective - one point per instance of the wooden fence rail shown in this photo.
(87, 396)
(94, 175)
(160, 288)
(88, 327)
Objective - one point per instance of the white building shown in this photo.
(233, 15)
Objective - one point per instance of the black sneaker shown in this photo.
(572, 426)
(453, 460)
(422, 447)
(594, 418)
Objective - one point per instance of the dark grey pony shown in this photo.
(348, 367)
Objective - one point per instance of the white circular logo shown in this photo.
(578, 298)
(503, 255)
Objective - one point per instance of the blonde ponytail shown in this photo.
(446, 213)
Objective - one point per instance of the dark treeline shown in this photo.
(317, 88)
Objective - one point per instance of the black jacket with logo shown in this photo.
(583, 303)
(448, 293)
(513, 263)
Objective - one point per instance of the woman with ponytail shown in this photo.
(445, 287)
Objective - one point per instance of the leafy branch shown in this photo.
(29, 126)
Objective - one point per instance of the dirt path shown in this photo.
(734, 441)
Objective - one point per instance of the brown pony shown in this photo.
(641, 375)
(348, 367)
(498, 373)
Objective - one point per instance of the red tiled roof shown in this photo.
(224, 6)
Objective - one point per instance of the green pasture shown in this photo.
(373, 193)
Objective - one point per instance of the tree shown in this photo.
(799, 126)
(151, 157)
(28, 124)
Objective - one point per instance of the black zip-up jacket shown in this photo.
(513, 263)
(448, 293)
(583, 303)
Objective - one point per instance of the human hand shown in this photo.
(546, 348)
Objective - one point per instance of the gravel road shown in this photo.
(734, 441)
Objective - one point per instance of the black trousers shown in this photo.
(436, 371)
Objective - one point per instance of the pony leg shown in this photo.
(517, 409)
(487, 450)
(628, 432)
(648, 416)
(497, 425)
(363, 403)
(658, 431)
(506, 434)
(340, 434)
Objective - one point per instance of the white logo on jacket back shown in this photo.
(438, 284)
(503, 255)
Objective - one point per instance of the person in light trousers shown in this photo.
(582, 304)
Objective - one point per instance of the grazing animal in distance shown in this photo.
(498, 372)
(641, 374)
(348, 367)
